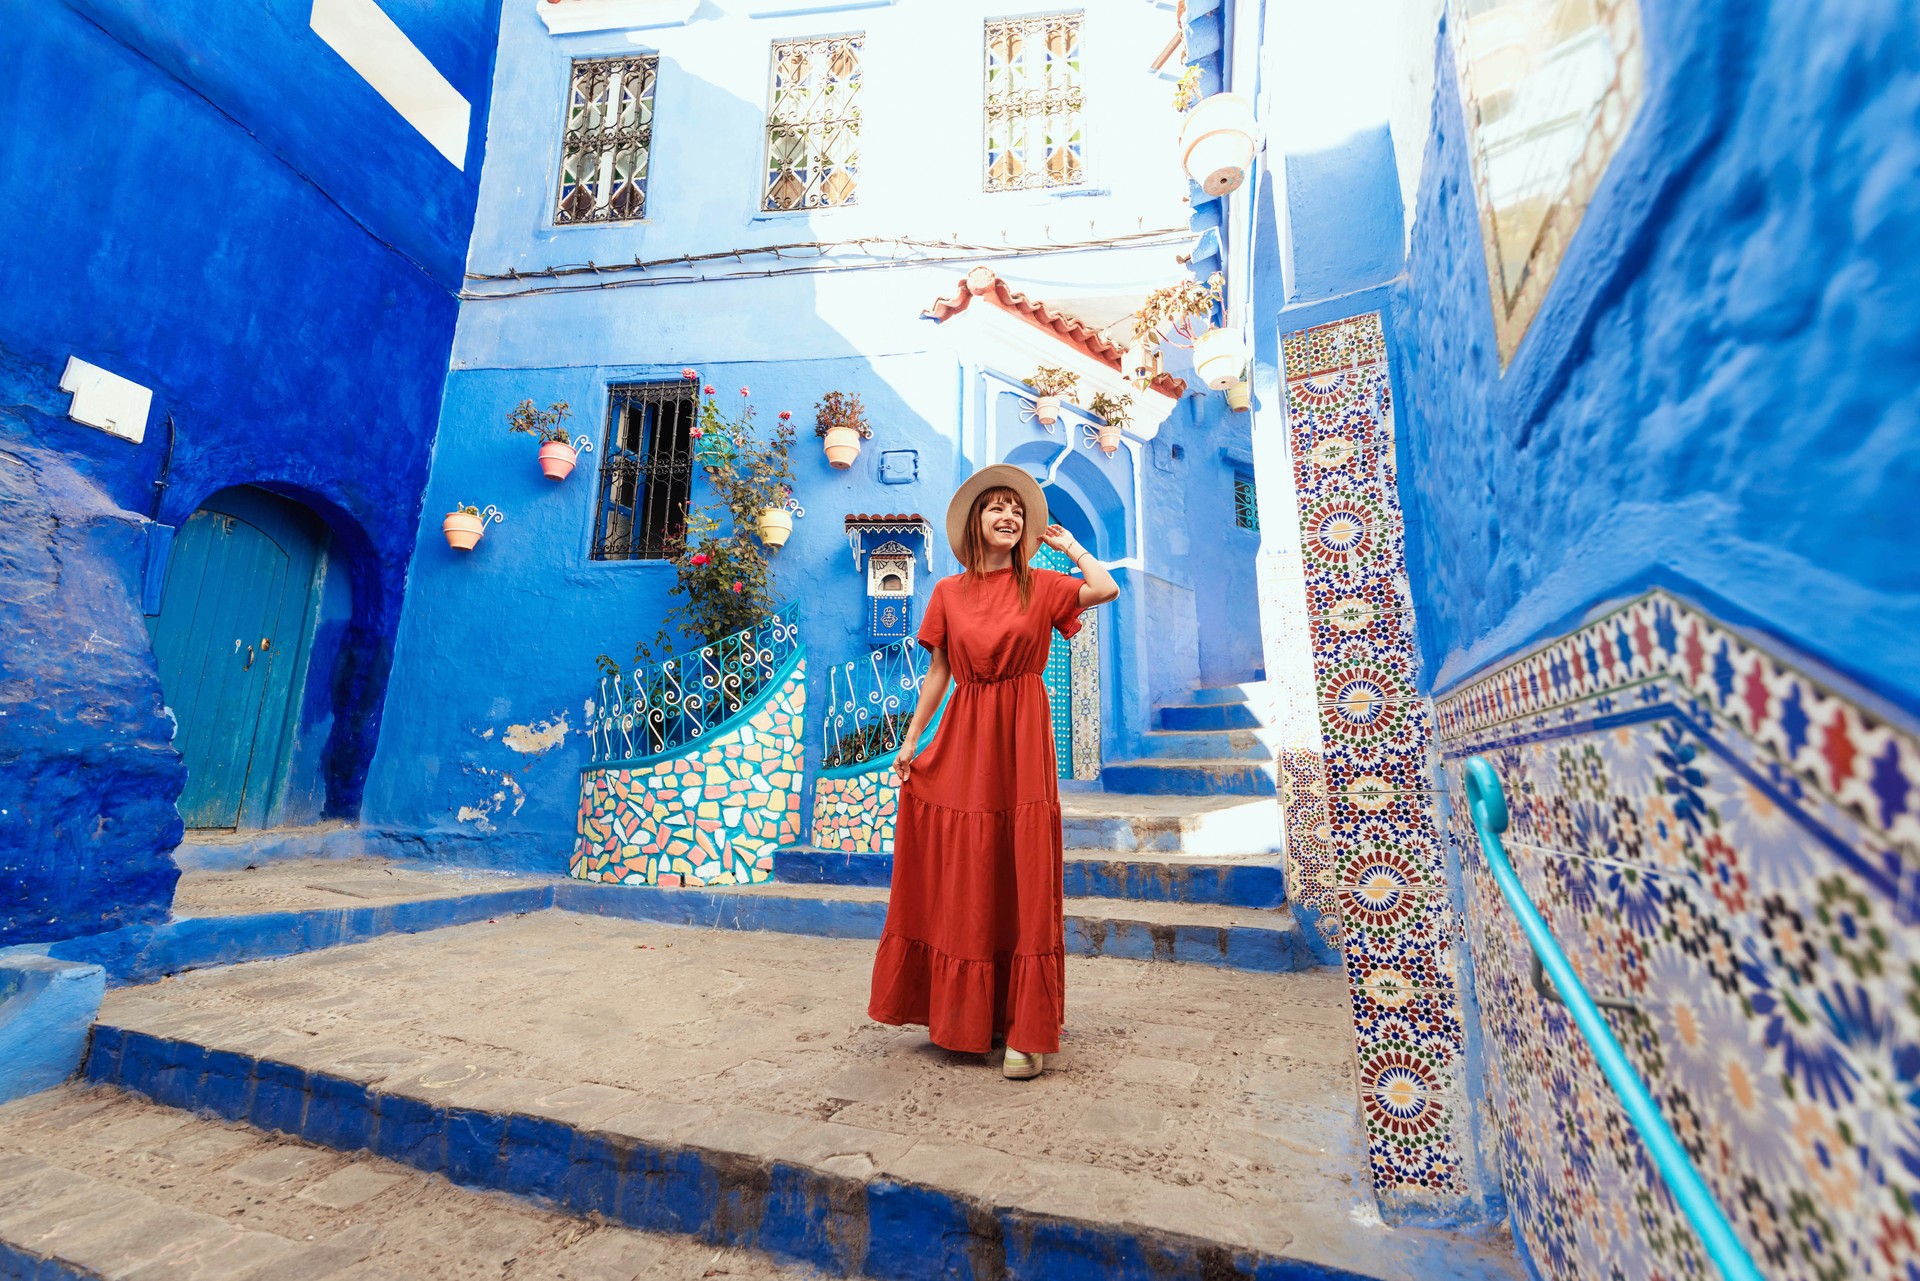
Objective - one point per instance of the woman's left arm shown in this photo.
(1099, 587)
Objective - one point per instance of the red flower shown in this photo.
(785, 414)
(708, 389)
(699, 558)
(736, 586)
(691, 375)
(743, 391)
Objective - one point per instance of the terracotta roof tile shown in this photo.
(983, 282)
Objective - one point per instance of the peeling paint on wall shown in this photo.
(538, 738)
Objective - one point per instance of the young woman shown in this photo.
(974, 946)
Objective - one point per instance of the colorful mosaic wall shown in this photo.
(1725, 841)
(712, 815)
(855, 812)
(1381, 863)
(1084, 660)
(1309, 838)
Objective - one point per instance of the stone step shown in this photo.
(1208, 716)
(1268, 940)
(1205, 744)
(95, 1182)
(1244, 692)
(1087, 874)
(1193, 826)
(729, 1086)
(1192, 777)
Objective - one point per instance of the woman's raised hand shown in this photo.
(1057, 537)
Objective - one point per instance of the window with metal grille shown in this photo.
(1034, 133)
(813, 124)
(1246, 503)
(609, 137)
(646, 471)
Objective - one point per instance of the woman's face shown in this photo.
(1002, 523)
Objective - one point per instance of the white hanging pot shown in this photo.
(776, 525)
(1240, 397)
(1216, 142)
(1219, 357)
(1047, 410)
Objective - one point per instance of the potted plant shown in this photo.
(1051, 385)
(1117, 413)
(1174, 313)
(1240, 396)
(1217, 142)
(558, 448)
(464, 525)
(840, 421)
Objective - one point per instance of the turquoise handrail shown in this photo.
(1488, 803)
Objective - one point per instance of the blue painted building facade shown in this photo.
(226, 213)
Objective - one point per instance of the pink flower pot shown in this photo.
(557, 458)
(843, 446)
(462, 530)
(1109, 439)
(1047, 410)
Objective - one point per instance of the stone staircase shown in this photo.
(1210, 747)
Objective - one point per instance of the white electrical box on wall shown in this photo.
(106, 400)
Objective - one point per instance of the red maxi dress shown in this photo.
(974, 943)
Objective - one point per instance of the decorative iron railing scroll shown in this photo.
(869, 701)
(681, 699)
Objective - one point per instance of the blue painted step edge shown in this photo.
(875, 1227)
(1229, 885)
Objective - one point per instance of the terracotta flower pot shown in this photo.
(462, 530)
(1240, 397)
(557, 458)
(776, 524)
(842, 446)
(1047, 410)
(1109, 439)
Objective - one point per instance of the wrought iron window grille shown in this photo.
(813, 124)
(646, 471)
(607, 146)
(1035, 134)
(869, 702)
(1246, 503)
(680, 700)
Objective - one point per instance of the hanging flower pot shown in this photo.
(463, 527)
(1047, 410)
(713, 450)
(776, 526)
(1216, 143)
(557, 458)
(1114, 412)
(1108, 439)
(842, 446)
(1240, 397)
(1219, 357)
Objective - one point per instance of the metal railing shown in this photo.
(1488, 804)
(681, 699)
(869, 701)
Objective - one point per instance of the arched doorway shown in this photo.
(231, 640)
(1072, 673)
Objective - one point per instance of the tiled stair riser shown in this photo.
(1171, 882)
(1721, 837)
(1369, 793)
(711, 815)
(578, 1159)
(855, 813)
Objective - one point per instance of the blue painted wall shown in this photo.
(220, 209)
(1344, 216)
(1718, 393)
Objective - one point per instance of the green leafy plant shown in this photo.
(1051, 380)
(1117, 410)
(723, 573)
(1187, 91)
(544, 423)
(1174, 309)
(841, 409)
(464, 509)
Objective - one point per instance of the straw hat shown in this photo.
(998, 476)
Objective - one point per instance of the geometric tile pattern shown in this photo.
(1303, 805)
(1381, 863)
(856, 812)
(1728, 841)
(711, 815)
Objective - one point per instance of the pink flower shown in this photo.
(708, 389)
(743, 391)
(699, 558)
(691, 375)
(696, 433)
(736, 586)
(785, 414)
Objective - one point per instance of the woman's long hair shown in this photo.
(973, 547)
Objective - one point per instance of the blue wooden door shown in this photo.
(1059, 675)
(231, 628)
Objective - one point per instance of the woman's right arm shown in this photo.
(932, 689)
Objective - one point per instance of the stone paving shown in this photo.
(347, 882)
(119, 1186)
(1220, 1102)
